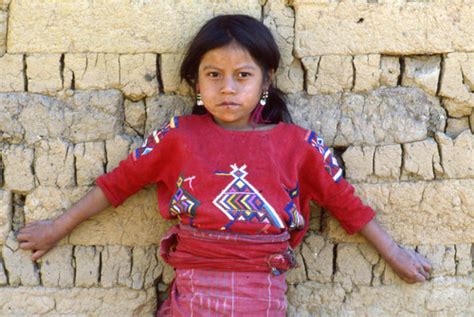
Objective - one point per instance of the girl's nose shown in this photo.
(228, 85)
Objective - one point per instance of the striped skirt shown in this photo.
(197, 292)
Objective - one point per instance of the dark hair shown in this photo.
(253, 36)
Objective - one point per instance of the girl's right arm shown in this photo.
(41, 236)
(143, 166)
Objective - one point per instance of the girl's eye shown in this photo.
(213, 74)
(244, 74)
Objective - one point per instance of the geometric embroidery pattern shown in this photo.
(182, 202)
(241, 202)
(154, 138)
(330, 163)
(295, 219)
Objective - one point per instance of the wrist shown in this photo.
(62, 225)
(391, 253)
(381, 240)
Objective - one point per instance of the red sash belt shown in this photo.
(185, 247)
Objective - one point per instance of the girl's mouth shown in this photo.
(228, 104)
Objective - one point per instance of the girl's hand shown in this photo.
(39, 236)
(42, 236)
(409, 265)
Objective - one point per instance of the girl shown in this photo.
(239, 176)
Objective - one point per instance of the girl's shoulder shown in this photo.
(297, 132)
(303, 139)
(180, 122)
(190, 122)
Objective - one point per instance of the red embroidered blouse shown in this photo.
(251, 182)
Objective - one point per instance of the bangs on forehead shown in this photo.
(234, 45)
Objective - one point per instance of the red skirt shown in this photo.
(198, 292)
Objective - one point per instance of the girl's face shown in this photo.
(231, 85)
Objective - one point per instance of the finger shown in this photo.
(38, 254)
(25, 230)
(416, 278)
(412, 279)
(419, 277)
(425, 263)
(27, 246)
(29, 225)
(23, 236)
(421, 271)
(21, 230)
(427, 266)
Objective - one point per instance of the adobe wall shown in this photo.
(388, 84)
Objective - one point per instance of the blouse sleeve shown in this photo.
(322, 175)
(147, 164)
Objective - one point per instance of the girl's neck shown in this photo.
(250, 127)
(255, 127)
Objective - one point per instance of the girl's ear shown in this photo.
(269, 79)
(197, 88)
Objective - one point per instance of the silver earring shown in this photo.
(199, 100)
(263, 100)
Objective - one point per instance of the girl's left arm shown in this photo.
(320, 172)
(409, 265)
